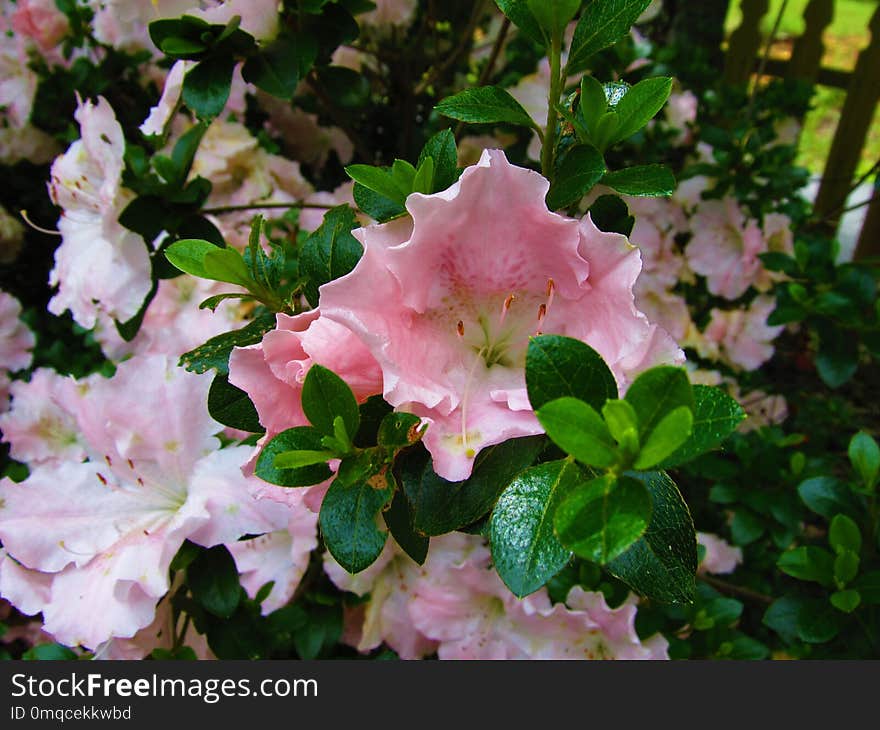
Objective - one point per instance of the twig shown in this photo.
(261, 206)
(486, 74)
(765, 57)
(735, 590)
(467, 38)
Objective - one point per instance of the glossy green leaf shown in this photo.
(846, 601)
(485, 105)
(846, 567)
(207, 261)
(558, 366)
(602, 24)
(553, 15)
(844, 534)
(301, 438)
(716, 416)
(864, 455)
(375, 205)
(522, 17)
(232, 407)
(441, 148)
(578, 430)
(278, 67)
(215, 352)
(213, 580)
(398, 430)
(603, 517)
(667, 436)
(827, 496)
(808, 563)
(324, 397)
(525, 549)
(648, 181)
(348, 524)
(299, 459)
(206, 86)
(330, 251)
(440, 506)
(639, 105)
(399, 520)
(581, 168)
(657, 392)
(662, 564)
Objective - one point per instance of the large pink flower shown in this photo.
(446, 303)
(741, 337)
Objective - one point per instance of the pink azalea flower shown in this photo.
(680, 112)
(390, 583)
(105, 530)
(725, 247)
(741, 337)
(390, 12)
(273, 371)
(720, 557)
(762, 409)
(446, 303)
(161, 114)
(41, 21)
(281, 556)
(461, 603)
(16, 339)
(99, 266)
(41, 423)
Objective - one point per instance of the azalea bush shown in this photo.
(377, 329)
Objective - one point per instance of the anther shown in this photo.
(506, 306)
(460, 328)
(101, 478)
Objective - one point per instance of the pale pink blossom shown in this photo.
(310, 219)
(720, 557)
(99, 266)
(725, 247)
(258, 17)
(280, 557)
(532, 92)
(762, 409)
(123, 23)
(105, 530)
(667, 309)
(446, 302)
(741, 337)
(390, 13)
(470, 148)
(161, 114)
(41, 21)
(16, 339)
(689, 193)
(680, 113)
(304, 139)
(41, 425)
(273, 371)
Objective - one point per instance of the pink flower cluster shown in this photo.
(457, 606)
(438, 313)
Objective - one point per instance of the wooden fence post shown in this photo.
(806, 57)
(862, 96)
(745, 42)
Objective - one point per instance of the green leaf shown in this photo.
(602, 24)
(782, 617)
(593, 103)
(49, 652)
(579, 430)
(581, 168)
(525, 550)
(838, 357)
(844, 534)
(441, 148)
(213, 581)
(299, 459)
(827, 496)
(278, 67)
(213, 302)
(610, 213)
(348, 88)
(485, 105)
(375, 205)
(348, 524)
(657, 392)
(381, 180)
(639, 105)
(399, 520)
(603, 517)
(846, 567)
(208, 261)
(716, 416)
(128, 330)
(808, 563)
(864, 455)
(424, 179)
(324, 397)
(559, 366)
(668, 435)
(522, 17)
(817, 622)
(302, 438)
(644, 181)
(232, 407)
(398, 430)
(553, 15)
(184, 151)
(330, 252)
(215, 352)
(662, 564)
(846, 601)
(440, 506)
(206, 86)
(868, 585)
